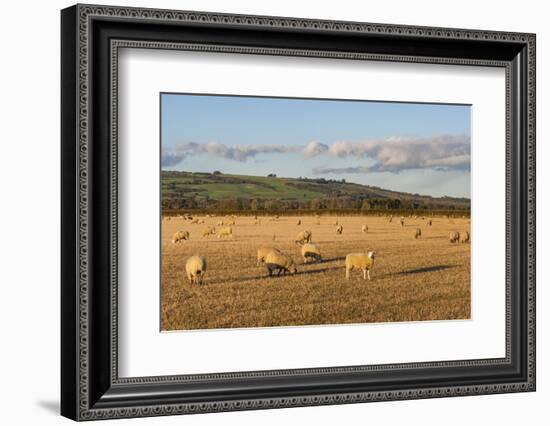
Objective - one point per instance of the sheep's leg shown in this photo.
(365, 274)
(347, 274)
(368, 273)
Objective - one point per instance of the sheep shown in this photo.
(417, 233)
(465, 237)
(454, 237)
(363, 261)
(257, 222)
(299, 222)
(180, 236)
(225, 232)
(210, 231)
(277, 261)
(195, 267)
(391, 219)
(339, 229)
(262, 253)
(402, 221)
(430, 222)
(310, 252)
(336, 222)
(364, 229)
(303, 237)
(221, 223)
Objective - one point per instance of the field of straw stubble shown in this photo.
(413, 279)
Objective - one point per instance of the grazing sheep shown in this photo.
(364, 229)
(465, 237)
(430, 222)
(391, 218)
(195, 267)
(209, 231)
(417, 233)
(310, 252)
(363, 261)
(180, 236)
(402, 221)
(277, 261)
(339, 229)
(225, 232)
(299, 222)
(194, 221)
(220, 223)
(454, 237)
(262, 253)
(303, 237)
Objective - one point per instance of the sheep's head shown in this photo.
(371, 254)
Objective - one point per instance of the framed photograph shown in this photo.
(263, 212)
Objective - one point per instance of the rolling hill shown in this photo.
(185, 190)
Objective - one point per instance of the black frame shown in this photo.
(91, 37)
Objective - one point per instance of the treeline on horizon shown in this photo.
(316, 205)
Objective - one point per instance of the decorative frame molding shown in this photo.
(91, 388)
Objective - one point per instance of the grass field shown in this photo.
(412, 280)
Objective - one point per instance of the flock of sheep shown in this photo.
(277, 262)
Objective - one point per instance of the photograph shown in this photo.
(281, 211)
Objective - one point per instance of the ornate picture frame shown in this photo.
(91, 38)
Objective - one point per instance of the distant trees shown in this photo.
(273, 175)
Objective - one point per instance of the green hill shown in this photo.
(217, 191)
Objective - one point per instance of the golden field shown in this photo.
(412, 280)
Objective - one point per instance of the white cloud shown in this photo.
(393, 154)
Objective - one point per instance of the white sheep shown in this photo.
(417, 233)
(210, 231)
(465, 237)
(339, 229)
(195, 267)
(430, 222)
(180, 236)
(364, 229)
(262, 253)
(303, 237)
(362, 261)
(311, 252)
(277, 261)
(226, 232)
(454, 237)
(391, 219)
(299, 222)
(402, 221)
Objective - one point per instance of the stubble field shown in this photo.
(412, 280)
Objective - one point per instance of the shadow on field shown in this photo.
(329, 259)
(426, 269)
(274, 276)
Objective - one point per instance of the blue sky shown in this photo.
(419, 148)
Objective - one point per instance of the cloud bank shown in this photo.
(393, 154)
